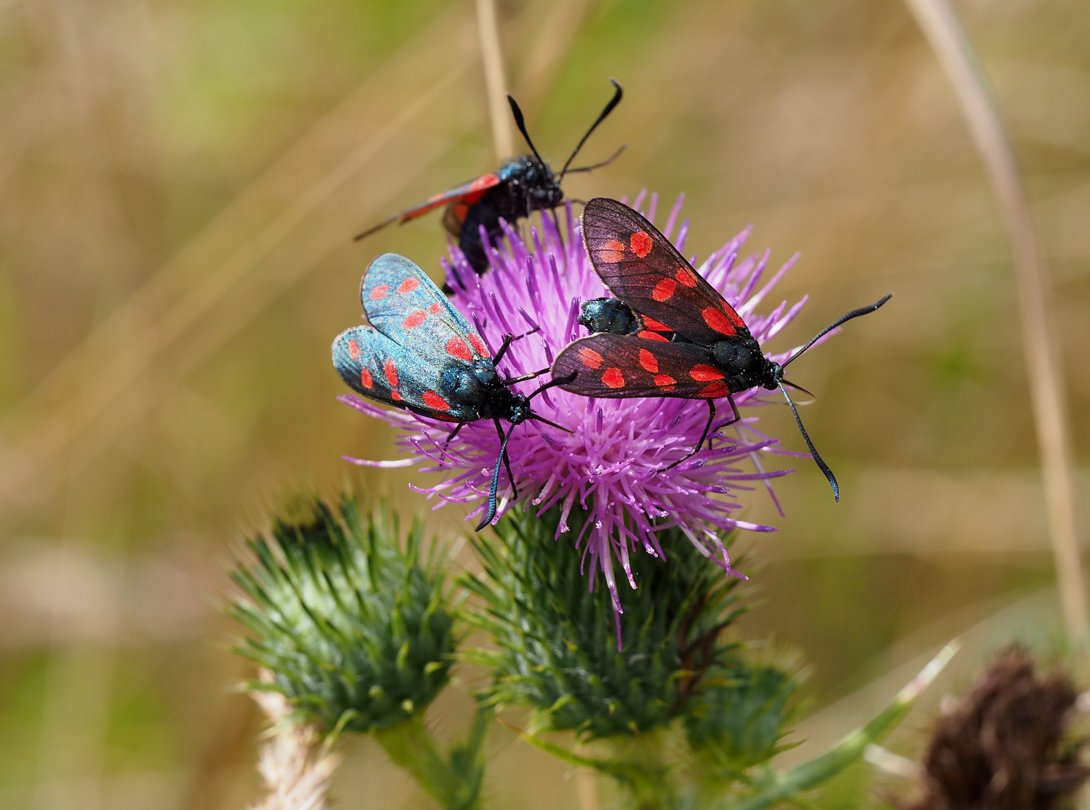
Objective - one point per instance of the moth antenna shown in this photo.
(613, 102)
(520, 122)
(855, 313)
(813, 450)
(600, 164)
(495, 485)
(555, 381)
(551, 384)
(550, 423)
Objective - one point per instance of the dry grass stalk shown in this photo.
(295, 764)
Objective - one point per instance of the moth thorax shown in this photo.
(468, 386)
(740, 356)
(485, 374)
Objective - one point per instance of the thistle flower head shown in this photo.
(352, 629)
(608, 475)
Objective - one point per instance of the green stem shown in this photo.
(638, 768)
(810, 774)
(645, 775)
(454, 782)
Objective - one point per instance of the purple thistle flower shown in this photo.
(607, 476)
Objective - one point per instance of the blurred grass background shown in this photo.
(179, 183)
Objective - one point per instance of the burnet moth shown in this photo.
(417, 352)
(520, 186)
(711, 354)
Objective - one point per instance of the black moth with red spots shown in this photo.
(711, 353)
(418, 352)
(520, 186)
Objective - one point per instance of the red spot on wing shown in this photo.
(416, 317)
(718, 320)
(390, 370)
(613, 378)
(664, 381)
(590, 358)
(408, 285)
(366, 380)
(716, 389)
(395, 396)
(649, 362)
(353, 350)
(702, 372)
(658, 326)
(649, 335)
(664, 290)
(456, 347)
(641, 243)
(685, 277)
(435, 402)
(608, 256)
(434, 309)
(611, 251)
(379, 292)
(478, 346)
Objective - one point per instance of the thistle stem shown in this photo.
(786, 786)
(411, 747)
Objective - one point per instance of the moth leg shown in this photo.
(735, 416)
(507, 341)
(704, 433)
(451, 435)
(524, 377)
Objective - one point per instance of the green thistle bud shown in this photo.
(738, 717)
(350, 626)
(557, 644)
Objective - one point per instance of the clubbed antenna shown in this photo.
(855, 313)
(613, 102)
(843, 319)
(598, 165)
(490, 513)
(810, 444)
(520, 122)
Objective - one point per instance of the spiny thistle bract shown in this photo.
(737, 718)
(350, 626)
(557, 652)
